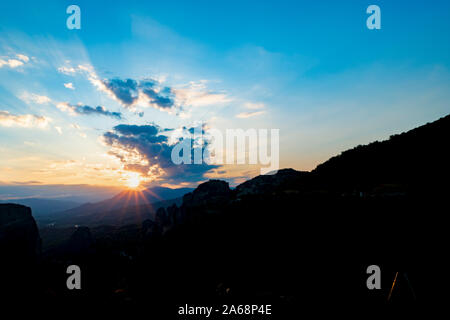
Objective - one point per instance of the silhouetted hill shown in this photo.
(19, 236)
(413, 162)
(130, 206)
(20, 250)
(284, 179)
(417, 158)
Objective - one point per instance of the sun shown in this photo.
(133, 180)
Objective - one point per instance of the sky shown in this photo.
(101, 105)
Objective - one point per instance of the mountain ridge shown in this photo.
(145, 202)
(44, 206)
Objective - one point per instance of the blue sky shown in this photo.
(310, 68)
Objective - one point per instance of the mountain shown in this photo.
(150, 195)
(19, 236)
(20, 250)
(130, 206)
(261, 185)
(415, 161)
(417, 158)
(67, 192)
(44, 207)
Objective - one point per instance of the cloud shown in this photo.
(196, 94)
(254, 106)
(125, 91)
(131, 130)
(23, 57)
(146, 150)
(244, 115)
(147, 92)
(257, 109)
(25, 121)
(135, 94)
(128, 92)
(34, 98)
(158, 97)
(69, 85)
(67, 70)
(80, 109)
(132, 93)
(14, 63)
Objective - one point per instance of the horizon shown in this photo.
(110, 191)
(87, 107)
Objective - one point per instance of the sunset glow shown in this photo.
(133, 180)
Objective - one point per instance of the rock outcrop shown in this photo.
(209, 197)
(161, 217)
(265, 184)
(20, 251)
(211, 193)
(19, 235)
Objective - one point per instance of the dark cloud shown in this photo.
(130, 130)
(124, 90)
(128, 91)
(154, 147)
(88, 110)
(99, 110)
(158, 99)
(126, 133)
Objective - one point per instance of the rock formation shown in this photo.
(19, 235)
(210, 193)
(265, 184)
(20, 251)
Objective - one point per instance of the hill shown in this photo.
(130, 206)
(43, 207)
(418, 158)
